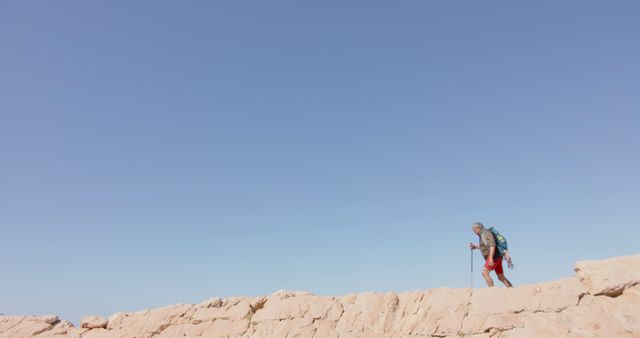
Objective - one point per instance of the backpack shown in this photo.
(501, 242)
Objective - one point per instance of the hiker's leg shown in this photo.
(504, 280)
(487, 278)
(500, 273)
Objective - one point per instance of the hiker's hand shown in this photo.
(472, 246)
(490, 262)
(509, 263)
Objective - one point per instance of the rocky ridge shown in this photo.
(602, 299)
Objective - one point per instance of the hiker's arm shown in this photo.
(492, 251)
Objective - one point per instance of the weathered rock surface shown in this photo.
(93, 322)
(602, 300)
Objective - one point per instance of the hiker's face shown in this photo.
(476, 230)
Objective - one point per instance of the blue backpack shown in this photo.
(501, 242)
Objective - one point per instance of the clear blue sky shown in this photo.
(160, 152)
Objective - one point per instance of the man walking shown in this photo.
(493, 259)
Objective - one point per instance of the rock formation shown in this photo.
(603, 299)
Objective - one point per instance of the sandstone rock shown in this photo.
(25, 326)
(116, 320)
(602, 300)
(93, 322)
(50, 319)
(276, 308)
(211, 302)
(609, 276)
(60, 328)
(295, 327)
(286, 294)
(149, 322)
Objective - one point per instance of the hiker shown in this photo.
(491, 254)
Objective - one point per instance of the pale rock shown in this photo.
(60, 328)
(151, 322)
(93, 322)
(297, 327)
(325, 328)
(97, 333)
(286, 294)
(502, 322)
(24, 326)
(602, 300)
(211, 302)
(411, 312)
(116, 320)
(609, 276)
(442, 313)
(276, 308)
(50, 319)
(216, 328)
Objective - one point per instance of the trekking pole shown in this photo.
(471, 269)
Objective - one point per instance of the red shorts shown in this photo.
(497, 265)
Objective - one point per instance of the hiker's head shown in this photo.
(477, 228)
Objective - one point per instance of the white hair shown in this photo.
(478, 225)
